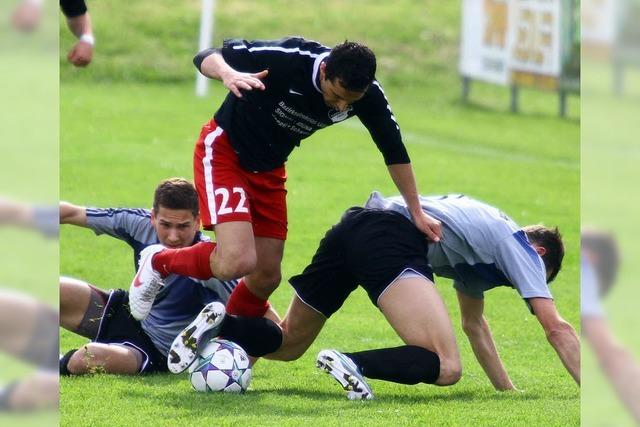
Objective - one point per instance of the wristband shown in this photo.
(88, 38)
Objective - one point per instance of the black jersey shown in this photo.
(73, 8)
(265, 126)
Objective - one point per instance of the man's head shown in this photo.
(346, 74)
(548, 244)
(602, 252)
(175, 215)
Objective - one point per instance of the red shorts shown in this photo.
(227, 192)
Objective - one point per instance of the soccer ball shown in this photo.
(221, 366)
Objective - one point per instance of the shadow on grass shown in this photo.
(267, 399)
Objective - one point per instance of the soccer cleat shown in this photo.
(184, 349)
(145, 285)
(346, 373)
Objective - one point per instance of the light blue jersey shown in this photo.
(183, 297)
(590, 305)
(481, 247)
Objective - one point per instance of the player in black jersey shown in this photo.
(281, 92)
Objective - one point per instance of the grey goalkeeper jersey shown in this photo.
(481, 247)
(183, 297)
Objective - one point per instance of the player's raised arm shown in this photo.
(72, 214)
(211, 64)
(560, 334)
(403, 177)
(477, 329)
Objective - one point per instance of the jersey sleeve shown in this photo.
(590, 305)
(375, 113)
(273, 55)
(73, 8)
(522, 266)
(123, 224)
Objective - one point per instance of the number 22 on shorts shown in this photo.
(224, 205)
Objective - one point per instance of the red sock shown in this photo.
(243, 302)
(192, 261)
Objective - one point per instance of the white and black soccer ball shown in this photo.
(221, 366)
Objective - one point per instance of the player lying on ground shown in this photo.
(29, 332)
(121, 344)
(600, 260)
(380, 249)
(281, 92)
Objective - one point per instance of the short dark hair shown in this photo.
(176, 193)
(551, 240)
(353, 64)
(605, 257)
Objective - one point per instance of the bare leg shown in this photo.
(267, 275)
(38, 391)
(81, 307)
(98, 358)
(18, 314)
(417, 313)
(235, 254)
(300, 327)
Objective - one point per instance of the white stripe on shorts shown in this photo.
(407, 273)
(208, 172)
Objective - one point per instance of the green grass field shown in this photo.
(121, 135)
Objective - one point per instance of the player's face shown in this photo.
(176, 228)
(336, 96)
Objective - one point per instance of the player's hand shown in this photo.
(26, 17)
(236, 81)
(429, 226)
(81, 54)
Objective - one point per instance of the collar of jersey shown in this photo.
(316, 67)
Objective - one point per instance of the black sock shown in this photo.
(256, 335)
(64, 362)
(408, 364)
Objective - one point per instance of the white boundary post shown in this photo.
(206, 36)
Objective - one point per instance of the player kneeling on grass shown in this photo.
(120, 344)
(379, 248)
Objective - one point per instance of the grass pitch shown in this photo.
(120, 140)
(126, 128)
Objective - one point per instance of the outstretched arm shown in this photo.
(560, 334)
(477, 329)
(72, 214)
(616, 362)
(211, 64)
(402, 175)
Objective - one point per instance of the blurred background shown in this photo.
(610, 153)
(29, 134)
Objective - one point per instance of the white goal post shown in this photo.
(205, 40)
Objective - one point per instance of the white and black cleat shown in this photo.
(145, 285)
(184, 349)
(343, 370)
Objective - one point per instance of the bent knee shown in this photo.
(450, 372)
(235, 265)
(83, 361)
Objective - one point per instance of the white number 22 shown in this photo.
(224, 208)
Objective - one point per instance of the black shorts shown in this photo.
(119, 327)
(367, 247)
